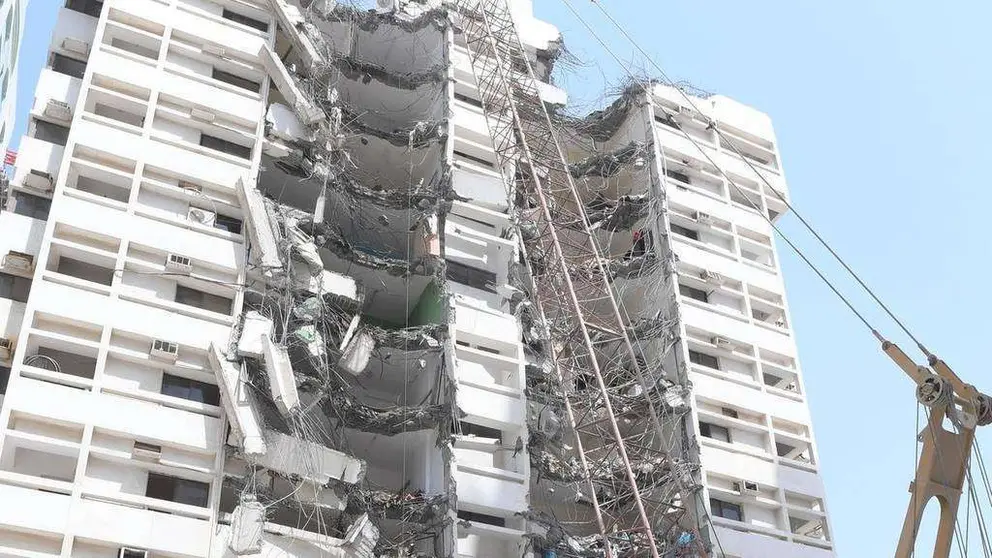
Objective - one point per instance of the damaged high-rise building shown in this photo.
(299, 279)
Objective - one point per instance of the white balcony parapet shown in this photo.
(290, 21)
(256, 326)
(308, 460)
(259, 227)
(282, 382)
(307, 112)
(245, 424)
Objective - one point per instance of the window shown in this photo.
(245, 20)
(229, 224)
(714, 431)
(667, 120)
(225, 146)
(14, 288)
(237, 81)
(85, 271)
(728, 412)
(466, 275)
(481, 518)
(4, 378)
(474, 159)
(202, 300)
(469, 429)
(680, 176)
(134, 48)
(52, 133)
(686, 232)
(180, 491)
(726, 510)
(466, 99)
(693, 293)
(704, 359)
(191, 390)
(68, 66)
(28, 205)
(88, 7)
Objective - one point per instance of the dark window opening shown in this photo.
(772, 214)
(235, 80)
(14, 288)
(684, 231)
(714, 431)
(88, 7)
(4, 378)
(469, 429)
(180, 491)
(28, 205)
(726, 510)
(467, 275)
(704, 359)
(680, 176)
(85, 271)
(667, 120)
(202, 300)
(245, 20)
(68, 66)
(481, 518)
(191, 390)
(474, 159)
(68, 363)
(694, 293)
(52, 133)
(229, 224)
(466, 99)
(728, 412)
(224, 146)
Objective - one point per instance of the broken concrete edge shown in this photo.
(259, 226)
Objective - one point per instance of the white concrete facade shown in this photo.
(125, 423)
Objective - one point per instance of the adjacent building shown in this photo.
(264, 290)
(12, 18)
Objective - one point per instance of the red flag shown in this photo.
(10, 158)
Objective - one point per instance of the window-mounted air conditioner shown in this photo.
(201, 216)
(58, 110)
(164, 350)
(191, 186)
(178, 263)
(748, 487)
(126, 552)
(39, 180)
(685, 111)
(214, 49)
(76, 46)
(202, 115)
(18, 261)
(704, 218)
(146, 452)
(722, 342)
(6, 348)
(711, 277)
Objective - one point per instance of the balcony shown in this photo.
(491, 405)
(490, 331)
(73, 34)
(34, 505)
(130, 417)
(19, 233)
(41, 158)
(131, 523)
(491, 490)
(55, 86)
(480, 540)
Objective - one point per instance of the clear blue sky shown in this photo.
(882, 113)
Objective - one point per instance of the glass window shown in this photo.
(181, 491)
(236, 80)
(229, 224)
(52, 133)
(225, 146)
(686, 232)
(68, 66)
(245, 20)
(14, 288)
(704, 359)
(726, 510)
(28, 205)
(693, 293)
(714, 431)
(202, 300)
(191, 390)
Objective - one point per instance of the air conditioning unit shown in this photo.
(387, 6)
(164, 350)
(58, 110)
(747, 487)
(178, 263)
(192, 186)
(711, 277)
(75, 45)
(722, 342)
(6, 348)
(685, 111)
(146, 452)
(216, 50)
(39, 180)
(126, 552)
(704, 218)
(202, 115)
(201, 216)
(18, 261)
